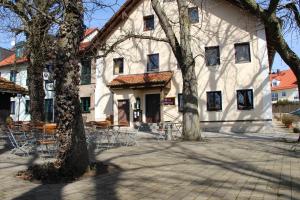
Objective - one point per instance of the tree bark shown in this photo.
(72, 159)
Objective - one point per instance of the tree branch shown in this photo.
(292, 6)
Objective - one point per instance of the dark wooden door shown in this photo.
(123, 112)
(152, 108)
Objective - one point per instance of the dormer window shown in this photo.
(275, 83)
(19, 49)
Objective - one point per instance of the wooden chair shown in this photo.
(49, 138)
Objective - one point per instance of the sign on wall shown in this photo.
(169, 101)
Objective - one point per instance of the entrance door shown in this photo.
(152, 108)
(123, 112)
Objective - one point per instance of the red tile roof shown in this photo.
(157, 79)
(11, 87)
(11, 59)
(287, 80)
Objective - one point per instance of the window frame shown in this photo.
(214, 98)
(252, 99)
(86, 78)
(82, 101)
(148, 62)
(190, 16)
(145, 19)
(114, 64)
(249, 52)
(218, 55)
(180, 102)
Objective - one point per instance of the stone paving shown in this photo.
(249, 166)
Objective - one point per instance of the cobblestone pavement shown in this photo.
(248, 167)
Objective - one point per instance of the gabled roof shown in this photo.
(286, 78)
(11, 87)
(11, 60)
(147, 80)
(129, 6)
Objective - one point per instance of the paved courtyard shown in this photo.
(222, 167)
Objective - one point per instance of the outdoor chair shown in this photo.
(49, 139)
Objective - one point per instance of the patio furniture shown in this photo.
(48, 139)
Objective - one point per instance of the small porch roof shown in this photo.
(138, 81)
(7, 86)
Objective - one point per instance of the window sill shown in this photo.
(242, 62)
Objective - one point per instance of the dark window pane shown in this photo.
(85, 104)
(212, 56)
(274, 96)
(12, 107)
(193, 15)
(245, 99)
(149, 23)
(85, 72)
(118, 66)
(180, 102)
(13, 76)
(214, 101)
(48, 110)
(242, 53)
(27, 106)
(153, 62)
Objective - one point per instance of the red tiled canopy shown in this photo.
(10, 87)
(147, 80)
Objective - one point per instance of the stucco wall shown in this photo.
(221, 24)
(290, 94)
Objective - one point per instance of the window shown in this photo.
(296, 97)
(149, 23)
(283, 94)
(27, 106)
(118, 65)
(19, 52)
(169, 0)
(275, 83)
(48, 114)
(0, 74)
(242, 53)
(214, 101)
(180, 103)
(245, 99)
(212, 56)
(274, 96)
(12, 107)
(153, 62)
(85, 104)
(13, 76)
(85, 72)
(193, 15)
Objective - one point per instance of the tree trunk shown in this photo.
(191, 120)
(72, 159)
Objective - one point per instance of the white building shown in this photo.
(140, 80)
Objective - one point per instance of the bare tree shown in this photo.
(274, 14)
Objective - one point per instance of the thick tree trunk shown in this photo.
(72, 159)
(191, 120)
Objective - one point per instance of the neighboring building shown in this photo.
(140, 79)
(14, 68)
(284, 86)
(4, 53)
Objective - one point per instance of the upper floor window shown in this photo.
(118, 66)
(85, 77)
(85, 104)
(275, 83)
(180, 103)
(245, 99)
(212, 56)
(153, 62)
(242, 52)
(193, 15)
(149, 23)
(274, 96)
(214, 101)
(13, 76)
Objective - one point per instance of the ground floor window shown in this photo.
(214, 101)
(245, 99)
(12, 107)
(49, 110)
(180, 103)
(27, 106)
(85, 104)
(274, 96)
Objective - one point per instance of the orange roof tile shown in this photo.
(89, 31)
(12, 59)
(11, 87)
(156, 79)
(287, 80)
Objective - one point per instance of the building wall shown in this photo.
(221, 24)
(291, 95)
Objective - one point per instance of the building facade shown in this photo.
(284, 86)
(14, 68)
(141, 81)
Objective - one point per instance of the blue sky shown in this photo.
(100, 17)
